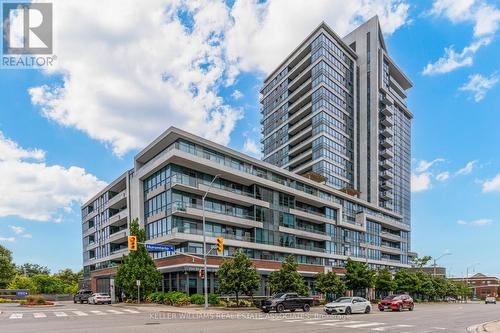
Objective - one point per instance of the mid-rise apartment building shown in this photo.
(321, 193)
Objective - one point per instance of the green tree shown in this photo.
(7, 267)
(138, 265)
(69, 279)
(384, 281)
(358, 275)
(421, 262)
(238, 275)
(424, 286)
(29, 269)
(406, 281)
(329, 283)
(440, 286)
(46, 284)
(287, 279)
(23, 282)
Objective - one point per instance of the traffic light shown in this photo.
(219, 245)
(201, 273)
(132, 243)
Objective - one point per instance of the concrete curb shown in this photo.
(482, 327)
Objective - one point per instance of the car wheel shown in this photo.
(348, 310)
(74, 301)
(292, 310)
(81, 301)
(265, 311)
(280, 308)
(412, 307)
(367, 310)
(381, 309)
(400, 307)
(306, 308)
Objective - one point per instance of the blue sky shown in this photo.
(199, 66)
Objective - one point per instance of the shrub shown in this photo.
(40, 301)
(157, 297)
(176, 298)
(197, 299)
(245, 303)
(213, 299)
(35, 299)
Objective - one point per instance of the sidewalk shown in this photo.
(185, 309)
(491, 326)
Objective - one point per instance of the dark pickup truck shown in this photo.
(82, 296)
(287, 301)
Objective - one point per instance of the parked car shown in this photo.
(287, 301)
(490, 299)
(99, 298)
(82, 296)
(396, 303)
(348, 305)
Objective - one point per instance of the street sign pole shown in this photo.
(138, 283)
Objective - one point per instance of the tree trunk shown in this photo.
(237, 302)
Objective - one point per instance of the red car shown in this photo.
(396, 303)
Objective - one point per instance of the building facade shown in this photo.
(482, 285)
(337, 107)
(334, 182)
(266, 211)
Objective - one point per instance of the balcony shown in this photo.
(89, 231)
(118, 200)
(386, 111)
(118, 217)
(385, 100)
(390, 223)
(387, 132)
(118, 236)
(387, 121)
(387, 143)
(387, 195)
(310, 215)
(195, 211)
(386, 164)
(386, 175)
(301, 136)
(305, 233)
(387, 205)
(386, 185)
(386, 153)
(391, 236)
(390, 249)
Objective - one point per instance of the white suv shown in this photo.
(490, 299)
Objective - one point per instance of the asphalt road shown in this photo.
(69, 317)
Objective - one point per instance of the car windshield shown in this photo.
(393, 297)
(279, 295)
(105, 295)
(343, 300)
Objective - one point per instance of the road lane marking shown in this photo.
(80, 313)
(364, 325)
(16, 316)
(60, 314)
(115, 311)
(99, 313)
(322, 321)
(438, 328)
(39, 315)
(130, 311)
(340, 322)
(380, 329)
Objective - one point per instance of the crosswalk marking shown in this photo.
(99, 313)
(39, 315)
(364, 325)
(322, 321)
(80, 313)
(115, 311)
(16, 316)
(130, 311)
(342, 322)
(60, 314)
(381, 329)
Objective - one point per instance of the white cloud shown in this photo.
(251, 147)
(484, 16)
(7, 239)
(41, 190)
(453, 60)
(237, 94)
(17, 230)
(443, 176)
(420, 182)
(492, 185)
(425, 165)
(27, 235)
(480, 85)
(467, 168)
(479, 222)
(144, 63)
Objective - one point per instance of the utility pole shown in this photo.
(205, 278)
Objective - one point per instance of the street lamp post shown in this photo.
(205, 277)
(467, 276)
(435, 260)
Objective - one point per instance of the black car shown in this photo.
(287, 301)
(82, 296)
